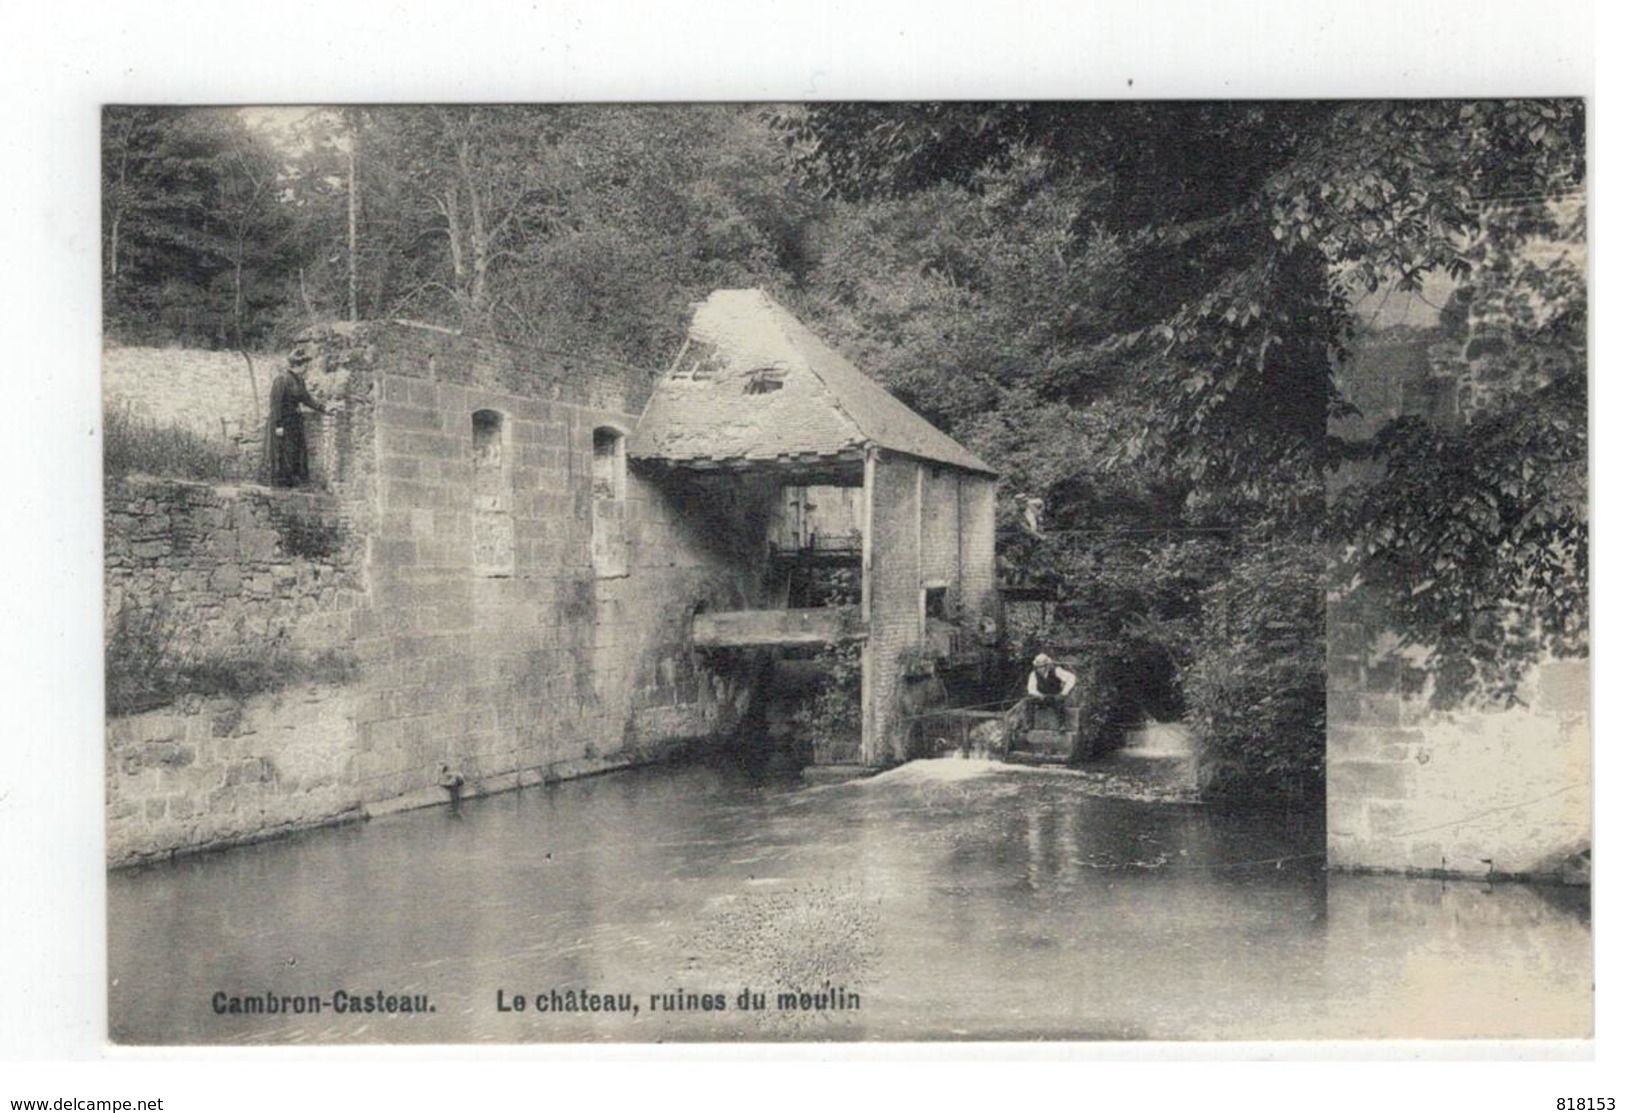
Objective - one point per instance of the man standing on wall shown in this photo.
(1048, 685)
(286, 464)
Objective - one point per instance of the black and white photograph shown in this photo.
(843, 572)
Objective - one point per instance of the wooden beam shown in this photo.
(790, 626)
(842, 469)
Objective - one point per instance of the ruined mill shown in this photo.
(533, 567)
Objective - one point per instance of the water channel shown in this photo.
(946, 899)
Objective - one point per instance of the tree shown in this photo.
(253, 223)
(1473, 535)
(318, 191)
(194, 235)
(578, 228)
(155, 171)
(1239, 228)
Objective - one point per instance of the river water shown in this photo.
(945, 899)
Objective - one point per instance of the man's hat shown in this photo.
(1041, 660)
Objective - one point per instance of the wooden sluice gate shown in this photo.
(1007, 731)
(963, 732)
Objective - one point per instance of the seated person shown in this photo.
(1048, 685)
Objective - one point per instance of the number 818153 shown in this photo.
(1585, 1105)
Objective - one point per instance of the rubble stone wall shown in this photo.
(232, 564)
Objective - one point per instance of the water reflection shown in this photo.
(950, 898)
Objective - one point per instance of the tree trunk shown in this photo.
(119, 195)
(478, 240)
(253, 383)
(237, 294)
(351, 288)
(454, 233)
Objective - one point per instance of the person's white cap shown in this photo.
(1041, 660)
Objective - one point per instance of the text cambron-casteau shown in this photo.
(339, 1001)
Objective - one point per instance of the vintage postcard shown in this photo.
(1060, 570)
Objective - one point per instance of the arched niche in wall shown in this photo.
(608, 463)
(609, 548)
(491, 494)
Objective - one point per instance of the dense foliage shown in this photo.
(1161, 370)
(1257, 682)
(1474, 536)
(198, 244)
(829, 718)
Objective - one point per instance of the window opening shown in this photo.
(608, 464)
(609, 548)
(493, 523)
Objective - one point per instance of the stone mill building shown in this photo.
(512, 568)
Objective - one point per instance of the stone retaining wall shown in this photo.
(1476, 792)
(1472, 791)
(209, 393)
(205, 773)
(237, 583)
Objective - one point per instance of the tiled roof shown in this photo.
(755, 384)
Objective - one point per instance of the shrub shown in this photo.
(140, 660)
(134, 445)
(1108, 707)
(1256, 689)
(147, 666)
(305, 533)
(831, 717)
